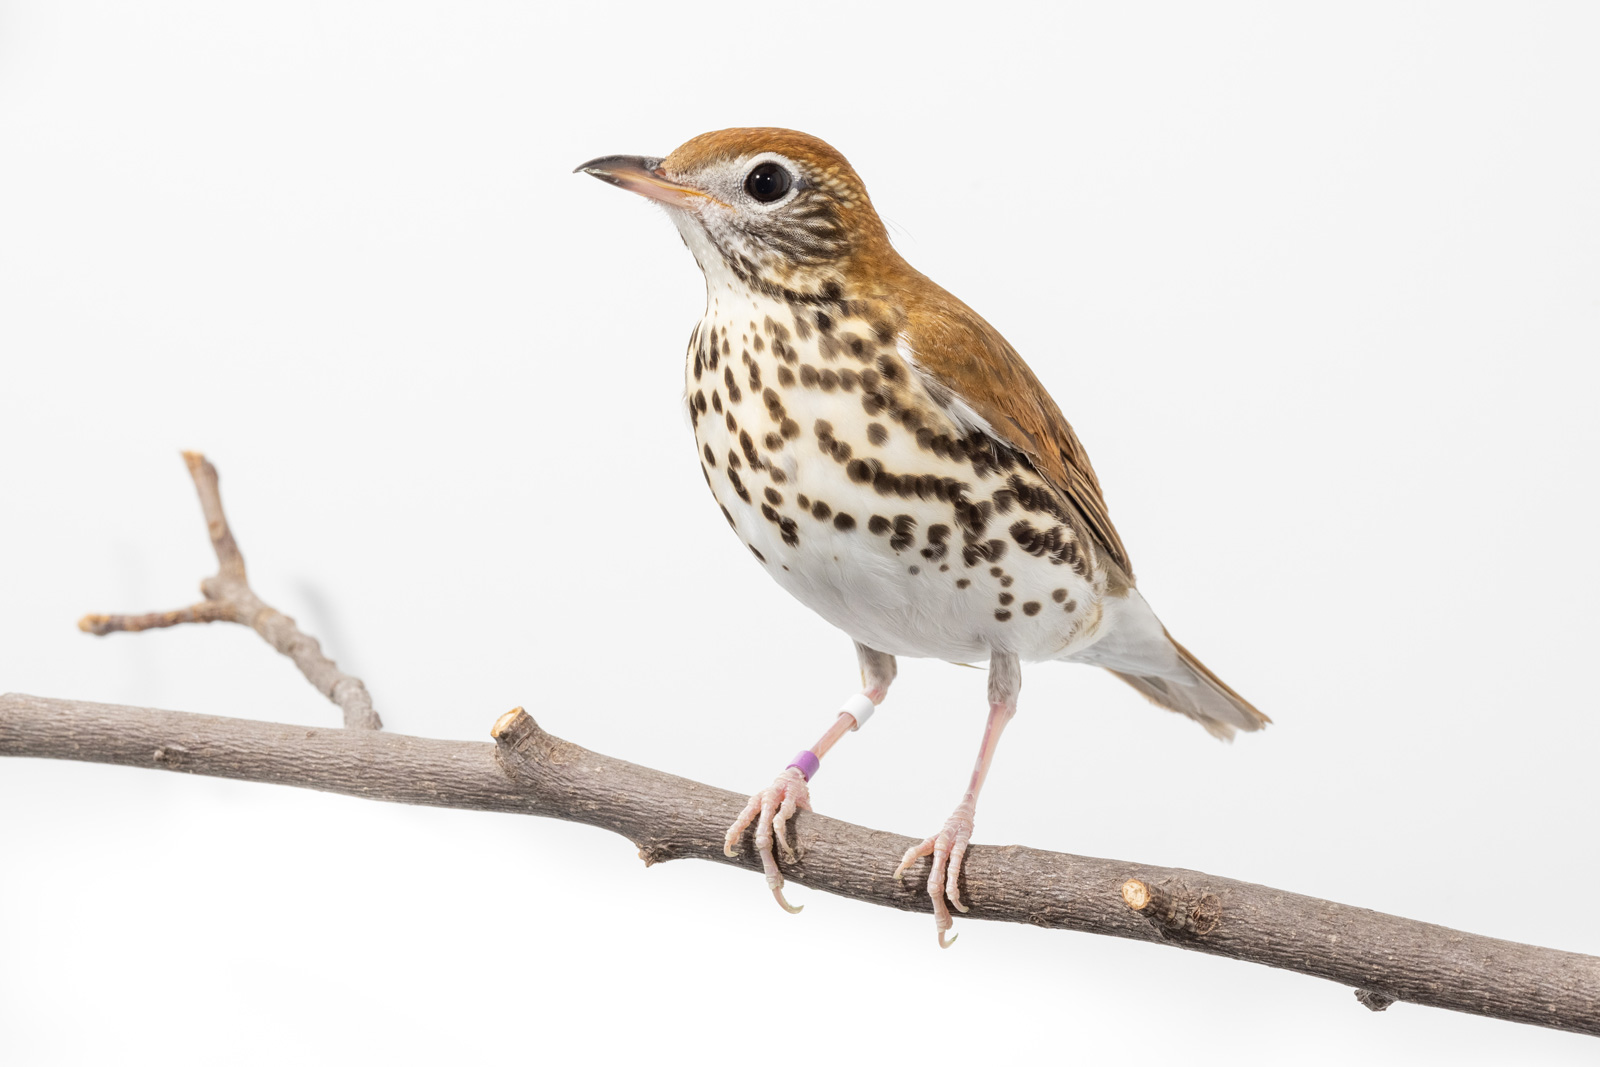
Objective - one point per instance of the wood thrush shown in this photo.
(892, 462)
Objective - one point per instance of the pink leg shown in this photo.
(772, 808)
(948, 847)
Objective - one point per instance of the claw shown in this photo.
(948, 848)
(792, 909)
(771, 810)
(913, 854)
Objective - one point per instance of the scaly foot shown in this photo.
(948, 848)
(771, 809)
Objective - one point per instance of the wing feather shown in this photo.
(963, 355)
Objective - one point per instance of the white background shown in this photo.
(1318, 287)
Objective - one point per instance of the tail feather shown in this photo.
(1200, 694)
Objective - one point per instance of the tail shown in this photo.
(1135, 647)
(1201, 695)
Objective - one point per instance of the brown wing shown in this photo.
(961, 352)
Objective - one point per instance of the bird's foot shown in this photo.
(948, 848)
(771, 810)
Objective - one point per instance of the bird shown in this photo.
(893, 463)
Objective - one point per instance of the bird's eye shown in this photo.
(768, 182)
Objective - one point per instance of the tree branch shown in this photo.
(229, 598)
(526, 770)
(530, 772)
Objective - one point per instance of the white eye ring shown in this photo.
(769, 165)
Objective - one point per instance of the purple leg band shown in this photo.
(806, 763)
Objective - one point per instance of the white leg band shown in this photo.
(860, 709)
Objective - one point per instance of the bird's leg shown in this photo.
(948, 847)
(772, 808)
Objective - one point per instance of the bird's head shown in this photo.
(779, 211)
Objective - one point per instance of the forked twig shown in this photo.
(229, 598)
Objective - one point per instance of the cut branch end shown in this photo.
(506, 724)
(1174, 909)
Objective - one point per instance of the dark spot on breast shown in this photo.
(844, 521)
(962, 583)
(772, 495)
(808, 375)
(824, 323)
(756, 552)
(732, 422)
(849, 379)
(877, 433)
(914, 570)
(820, 511)
(858, 471)
(734, 394)
(733, 459)
(700, 401)
(972, 518)
(883, 332)
(905, 532)
(748, 447)
(716, 401)
(1070, 606)
(802, 328)
(978, 551)
(888, 368)
(710, 456)
(1006, 599)
(789, 428)
(698, 367)
(785, 377)
(1059, 595)
(738, 485)
(729, 516)
(1031, 608)
(879, 525)
(1003, 616)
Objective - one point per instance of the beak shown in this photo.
(643, 176)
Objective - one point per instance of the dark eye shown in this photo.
(768, 182)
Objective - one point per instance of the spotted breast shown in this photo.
(859, 487)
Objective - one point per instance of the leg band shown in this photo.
(806, 763)
(860, 709)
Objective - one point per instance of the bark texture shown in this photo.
(1384, 957)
